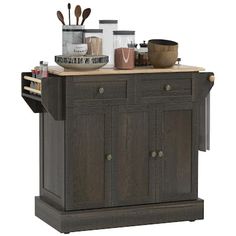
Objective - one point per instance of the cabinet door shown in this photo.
(177, 168)
(132, 167)
(88, 172)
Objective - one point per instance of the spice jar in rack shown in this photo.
(124, 42)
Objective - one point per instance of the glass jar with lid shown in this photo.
(93, 38)
(108, 27)
(124, 45)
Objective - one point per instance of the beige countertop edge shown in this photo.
(57, 70)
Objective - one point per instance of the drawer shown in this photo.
(100, 90)
(156, 87)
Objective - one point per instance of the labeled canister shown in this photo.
(71, 34)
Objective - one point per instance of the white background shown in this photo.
(30, 32)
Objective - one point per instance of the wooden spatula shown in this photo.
(60, 17)
(85, 14)
(77, 13)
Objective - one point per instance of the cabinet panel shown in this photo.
(178, 165)
(52, 159)
(132, 169)
(87, 170)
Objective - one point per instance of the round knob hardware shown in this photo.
(160, 154)
(211, 78)
(109, 157)
(168, 87)
(178, 61)
(153, 154)
(101, 90)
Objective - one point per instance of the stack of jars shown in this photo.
(119, 45)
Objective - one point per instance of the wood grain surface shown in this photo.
(138, 70)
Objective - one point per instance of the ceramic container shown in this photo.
(81, 62)
(162, 53)
(124, 58)
(71, 34)
(77, 49)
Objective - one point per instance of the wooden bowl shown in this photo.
(162, 53)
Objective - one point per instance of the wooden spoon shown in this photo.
(77, 13)
(60, 17)
(85, 14)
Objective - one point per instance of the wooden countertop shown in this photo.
(57, 70)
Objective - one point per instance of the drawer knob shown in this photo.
(109, 157)
(101, 90)
(168, 87)
(153, 154)
(160, 154)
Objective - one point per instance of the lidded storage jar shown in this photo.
(93, 38)
(71, 34)
(124, 45)
(108, 26)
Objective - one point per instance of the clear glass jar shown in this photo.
(108, 27)
(93, 38)
(123, 39)
(124, 45)
(43, 69)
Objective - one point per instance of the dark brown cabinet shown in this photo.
(88, 171)
(110, 162)
(128, 155)
(133, 169)
(120, 150)
(178, 165)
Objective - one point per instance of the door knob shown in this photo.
(160, 154)
(168, 87)
(101, 90)
(109, 157)
(153, 154)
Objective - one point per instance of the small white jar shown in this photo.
(77, 49)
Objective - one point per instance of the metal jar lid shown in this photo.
(108, 21)
(123, 32)
(93, 31)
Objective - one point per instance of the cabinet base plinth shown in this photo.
(70, 221)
